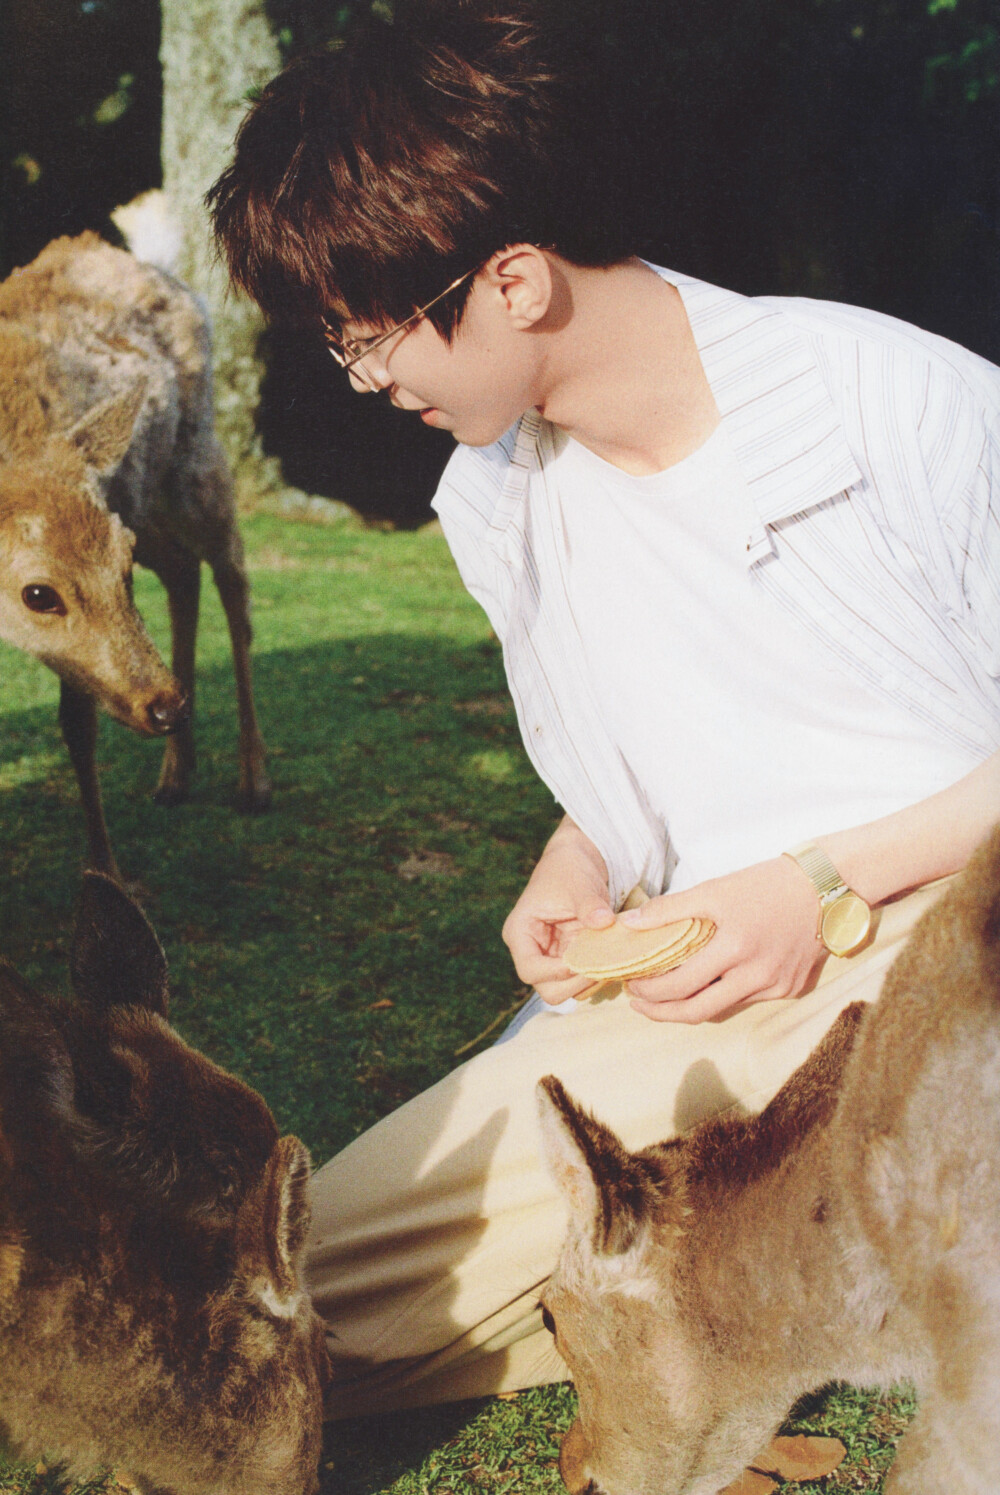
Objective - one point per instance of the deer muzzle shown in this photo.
(166, 712)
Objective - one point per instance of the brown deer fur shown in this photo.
(850, 1232)
(107, 448)
(151, 1226)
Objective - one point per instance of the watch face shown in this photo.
(846, 923)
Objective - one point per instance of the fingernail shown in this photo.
(632, 916)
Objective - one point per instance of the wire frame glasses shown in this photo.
(350, 352)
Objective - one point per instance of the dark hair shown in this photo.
(366, 178)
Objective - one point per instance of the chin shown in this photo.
(483, 435)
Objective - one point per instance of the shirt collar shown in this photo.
(779, 415)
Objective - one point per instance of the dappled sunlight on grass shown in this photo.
(29, 768)
(497, 766)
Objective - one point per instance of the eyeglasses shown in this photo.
(349, 352)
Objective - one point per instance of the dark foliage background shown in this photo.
(836, 148)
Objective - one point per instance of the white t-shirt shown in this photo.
(744, 733)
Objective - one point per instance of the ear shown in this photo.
(610, 1192)
(104, 434)
(285, 1215)
(522, 276)
(117, 960)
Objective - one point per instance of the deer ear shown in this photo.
(280, 1207)
(104, 434)
(117, 960)
(608, 1189)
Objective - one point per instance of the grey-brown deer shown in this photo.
(108, 454)
(152, 1316)
(850, 1232)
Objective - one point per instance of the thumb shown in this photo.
(594, 911)
(656, 912)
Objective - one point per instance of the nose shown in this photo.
(166, 712)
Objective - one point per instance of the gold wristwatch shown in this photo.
(844, 916)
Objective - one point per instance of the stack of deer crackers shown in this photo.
(619, 953)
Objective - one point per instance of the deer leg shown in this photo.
(254, 792)
(78, 720)
(180, 573)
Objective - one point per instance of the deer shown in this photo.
(152, 1226)
(108, 456)
(850, 1232)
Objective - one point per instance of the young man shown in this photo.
(742, 556)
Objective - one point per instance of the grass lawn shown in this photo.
(339, 950)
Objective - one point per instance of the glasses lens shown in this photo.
(362, 375)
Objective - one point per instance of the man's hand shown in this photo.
(567, 892)
(765, 943)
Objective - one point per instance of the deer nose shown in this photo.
(165, 713)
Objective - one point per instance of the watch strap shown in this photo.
(819, 869)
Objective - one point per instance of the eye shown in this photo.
(548, 1320)
(357, 347)
(42, 599)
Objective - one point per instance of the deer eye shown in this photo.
(42, 599)
(548, 1320)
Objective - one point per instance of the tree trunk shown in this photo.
(213, 52)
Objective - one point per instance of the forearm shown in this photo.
(925, 841)
(568, 837)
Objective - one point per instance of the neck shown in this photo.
(621, 373)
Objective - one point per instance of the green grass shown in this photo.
(338, 950)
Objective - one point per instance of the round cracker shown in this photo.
(699, 939)
(619, 952)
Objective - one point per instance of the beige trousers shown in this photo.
(434, 1232)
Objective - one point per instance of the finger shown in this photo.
(687, 979)
(714, 1001)
(595, 911)
(536, 969)
(665, 909)
(531, 937)
(554, 992)
(537, 955)
(771, 994)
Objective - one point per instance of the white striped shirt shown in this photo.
(871, 451)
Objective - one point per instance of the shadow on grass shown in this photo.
(508, 1445)
(384, 732)
(371, 1453)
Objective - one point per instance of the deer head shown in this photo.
(153, 1222)
(66, 560)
